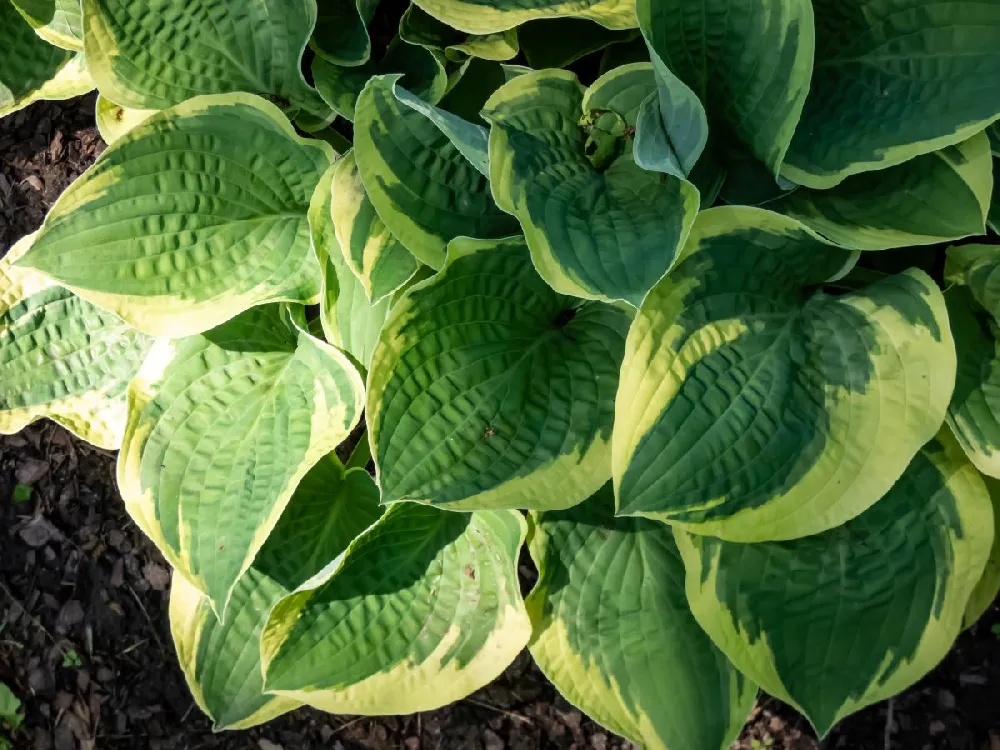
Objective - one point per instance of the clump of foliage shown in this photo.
(606, 276)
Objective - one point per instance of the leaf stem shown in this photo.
(361, 454)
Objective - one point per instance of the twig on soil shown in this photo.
(133, 647)
(505, 712)
(152, 625)
(887, 736)
(31, 617)
(349, 724)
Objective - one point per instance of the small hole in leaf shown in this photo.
(564, 317)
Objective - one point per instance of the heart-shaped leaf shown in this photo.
(889, 208)
(198, 214)
(893, 81)
(489, 390)
(754, 406)
(418, 172)
(837, 621)
(613, 631)
(153, 58)
(221, 659)
(561, 161)
(61, 357)
(222, 427)
(423, 609)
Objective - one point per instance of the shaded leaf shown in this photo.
(489, 390)
(614, 633)
(837, 621)
(754, 407)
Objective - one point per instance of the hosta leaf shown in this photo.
(932, 198)
(114, 120)
(558, 42)
(222, 426)
(993, 133)
(614, 633)
(61, 357)
(489, 390)
(417, 27)
(155, 57)
(893, 81)
(378, 259)
(974, 313)
(753, 407)
(198, 214)
(671, 128)
(59, 22)
(748, 60)
(598, 225)
(341, 34)
(988, 587)
(423, 609)
(340, 86)
(418, 176)
(993, 219)
(478, 17)
(348, 319)
(32, 69)
(837, 621)
(221, 660)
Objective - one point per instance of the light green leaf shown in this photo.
(893, 81)
(61, 357)
(378, 259)
(837, 621)
(196, 215)
(418, 177)
(222, 427)
(993, 218)
(559, 42)
(598, 225)
(489, 390)
(341, 34)
(114, 120)
(932, 198)
(10, 707)
(155, 57)
(59, 22)
(985, 592)
(752, 406)
(749, 62)
(614, 633)
(993, 133)
(32, 69)
(221, 660)
(974, 312)
(417, 27)
(347, 318)
(340, 86)
(423, 609)
(479, 17)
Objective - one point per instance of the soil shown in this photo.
(84, 640)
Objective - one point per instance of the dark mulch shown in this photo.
(84, 640)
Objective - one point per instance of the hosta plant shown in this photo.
(675, 296)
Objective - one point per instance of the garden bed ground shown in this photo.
(84, 640)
